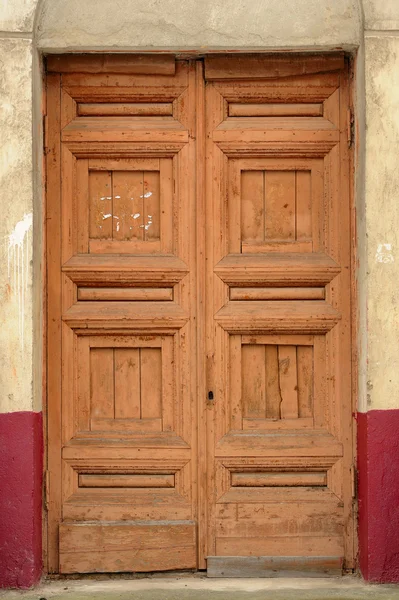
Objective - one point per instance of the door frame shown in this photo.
(201, 293)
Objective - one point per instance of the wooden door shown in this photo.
(278, 317)
(122, 296)
(198, 348)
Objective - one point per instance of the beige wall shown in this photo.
(382, 201)
(199, 24)
(58, 25)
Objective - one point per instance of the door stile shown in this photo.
(201, 436)
(54, 309)
(215, 297)
(348, 398)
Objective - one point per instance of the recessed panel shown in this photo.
(277, 381)
(276, 206)
(125, 385)
(124, 205)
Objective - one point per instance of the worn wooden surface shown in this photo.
(269, 566)
(278, 209)
(199, 314)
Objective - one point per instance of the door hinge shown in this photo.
(354, 481)
(45, 134)
(46, 489)
(351, 128)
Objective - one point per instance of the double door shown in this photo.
(199, 407)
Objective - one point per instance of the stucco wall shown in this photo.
(193, 24)
(382, 219)
(381, 201)
(31, 27)
(144, 25)
(74, 25)
(16, 225)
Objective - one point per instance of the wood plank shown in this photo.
(276, 424)
(307, 516)
(154, 64)
(284, 495)
(253, 381)
(151, 383)
(303, 205)
(136, 560)
(131, 109)
(275, 132)
(112, 163)
(124, 129)
(100, 205)
(249, 66)
(273, 293)
(272, 566)
(252, 206)
(266, 247)
(123, 246)
(273, 391)
(151, 205)
(120, 426)
(305, 380)
(279, 205)
(257, 127)
(259, 479)
(124, 293)
(284, 268)
(136, 81)
(115, 480)
(306, 546)
(53, 408)
(145, 270)
(127, 383)
(290, 316)
(153, 316)
(283, 525)
(114, 511)
(281, 340)
(273, 110)
(168, 384)
(236, 382)
(166, 209)
(128, 214)
(88, 537)
(102, 383)
(85, 201)
(285, 443)
(288, 380)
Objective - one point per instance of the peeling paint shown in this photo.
(384, 253)
(18, 266)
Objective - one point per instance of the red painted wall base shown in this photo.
(21, 459)
(378, 465)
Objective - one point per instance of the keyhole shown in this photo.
(210, 395)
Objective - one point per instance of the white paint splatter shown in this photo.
(146, 195)
(136, 215)
(18, 253)
(117, 196)
(117, 226)
(106, 198)
(384, 254)
(107, 216)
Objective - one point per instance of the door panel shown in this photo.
(278, 337)
(125, 268)
(198, 270)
